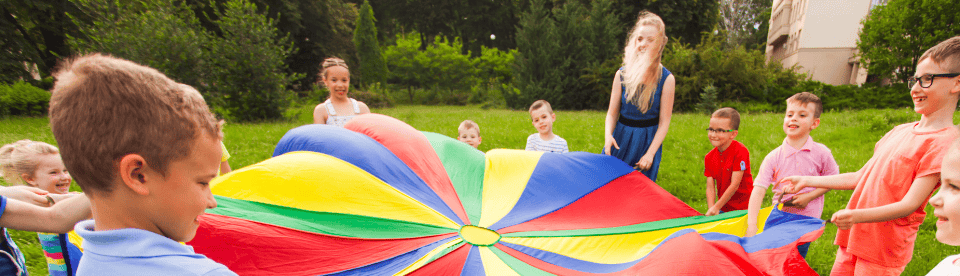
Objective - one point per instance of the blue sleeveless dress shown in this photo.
(634, 141)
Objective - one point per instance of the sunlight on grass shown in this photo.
(850, 134)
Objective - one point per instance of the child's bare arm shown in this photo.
(320, 114)
(711, 192)
(843, 181)
(26, 194)
(753, 209)
(613, 114)
(57, 219)
(735, 178)
(920, 190)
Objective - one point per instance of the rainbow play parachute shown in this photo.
(381, 198)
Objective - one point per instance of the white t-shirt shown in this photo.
(557, 144)
(946, 267)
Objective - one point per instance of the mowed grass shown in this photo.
(850, 134)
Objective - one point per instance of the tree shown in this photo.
(686, 20)
(742, 22)
(895, 35)
(34, 34)
(557, 47)
(241, 71)
(373, 69)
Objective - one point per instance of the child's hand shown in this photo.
(751, 231)
(607, 142)
(793, 184)
(32, 195)
(799, 201)
(713, 211)
(645, 162)
(843, 219)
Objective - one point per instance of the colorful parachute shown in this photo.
(381, 198)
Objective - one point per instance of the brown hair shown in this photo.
(728, 113)
(540, 103)
(104, 108)
(331, 62)
(803, 98)
(641, 74)
(468, 124)
(20, 158)
(946, 54)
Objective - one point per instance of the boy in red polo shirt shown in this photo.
(727, 166)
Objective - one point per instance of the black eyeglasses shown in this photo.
(927, 80)
(719, 130)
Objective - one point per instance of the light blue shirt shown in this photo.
(132, 251)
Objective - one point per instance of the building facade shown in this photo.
(820, 36)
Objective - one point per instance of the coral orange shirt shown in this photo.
(901, 156)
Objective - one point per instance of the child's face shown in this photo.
(470, 136)
(543, 120)
(184, 194)
(938, 95)
(720, 137)
(647, 40)
(51, 175)
(799, 120)
(946, 203)
(337, 81)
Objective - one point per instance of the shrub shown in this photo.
(21, 98)
(240, 69)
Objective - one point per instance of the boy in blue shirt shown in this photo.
(144, 149)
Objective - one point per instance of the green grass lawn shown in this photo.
(850, 134)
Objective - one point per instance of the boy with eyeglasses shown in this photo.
(878, 228)
(727, 166)
(798, 155)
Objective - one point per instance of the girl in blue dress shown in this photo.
(641, 99)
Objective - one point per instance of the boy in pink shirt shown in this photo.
(799, 155)
(877, 230)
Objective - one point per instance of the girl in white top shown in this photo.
(338, 108)
(946, 207)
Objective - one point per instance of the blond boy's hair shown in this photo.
(946, 54)
(540, 103)
(803, 98)
(104, 108)
(20, 158)
(728, 113)
(468, 124)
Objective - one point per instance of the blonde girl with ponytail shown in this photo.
(641, 99)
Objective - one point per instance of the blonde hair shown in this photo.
(20, 158)
(331, 62)
(104, 108)
(641, 73)
(538, 104)
(468, 124)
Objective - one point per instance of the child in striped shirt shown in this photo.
(542, 117)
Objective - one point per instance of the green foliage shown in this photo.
(708, 99)
(373, 69)
(21, 98)
(895, 35)
(252, 83)
(441, 74)
(687, 20)
(554, 45)
(738, 74)
(237, 81)
(34, 37)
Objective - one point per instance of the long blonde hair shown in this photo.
(641, 73)
(20, 158)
